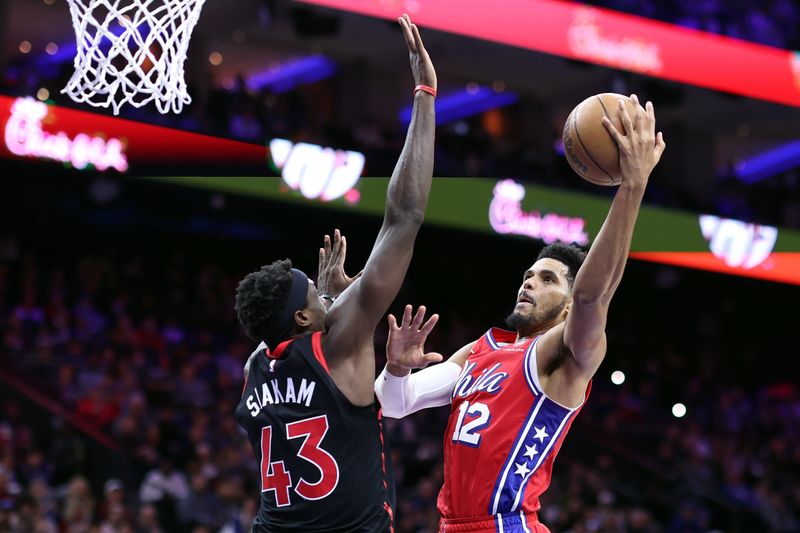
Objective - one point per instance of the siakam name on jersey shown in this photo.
(270, 394)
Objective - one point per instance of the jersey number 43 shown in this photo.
(274, 475)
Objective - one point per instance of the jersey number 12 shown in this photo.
(466, 432)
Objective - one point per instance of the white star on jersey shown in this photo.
(541, 434)
(522, 469)
(530, 451)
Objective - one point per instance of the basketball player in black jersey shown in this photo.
(308, 405)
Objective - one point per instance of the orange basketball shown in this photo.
(588, 147)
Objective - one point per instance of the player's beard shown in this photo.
(524, 322)
(517, 321)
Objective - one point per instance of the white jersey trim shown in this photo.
(490, 339)
(524, 522)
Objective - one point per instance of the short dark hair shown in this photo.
(261, 296)
(569, 254)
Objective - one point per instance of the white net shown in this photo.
(132, 52)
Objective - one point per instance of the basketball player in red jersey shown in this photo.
(514, 394)
(308, 406)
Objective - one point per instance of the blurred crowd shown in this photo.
(142, 357)
(772, 22)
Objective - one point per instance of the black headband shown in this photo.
(298, 295)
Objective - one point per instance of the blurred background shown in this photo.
(122, 240)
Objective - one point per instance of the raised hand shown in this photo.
(332, 278)
(404, 348)
(421, 66)
(640, 147)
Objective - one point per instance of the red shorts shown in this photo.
(506, 523)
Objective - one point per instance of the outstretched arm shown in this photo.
(352, 319)
(398, 390)
(598, 278)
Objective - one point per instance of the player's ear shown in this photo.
(302, 318)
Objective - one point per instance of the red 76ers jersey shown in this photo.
(503, 433)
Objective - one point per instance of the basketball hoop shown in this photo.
(132, 52)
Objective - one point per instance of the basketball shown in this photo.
(589, 148)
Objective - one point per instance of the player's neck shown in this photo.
(532, 333)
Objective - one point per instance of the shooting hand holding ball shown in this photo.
(640, 147)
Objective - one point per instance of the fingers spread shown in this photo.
(638, 116)
(336, 249)
(392, 322)
(625, 118)
(433, 357)
(428, 327)
(407, 316)
(327, 244)
(612, 130)
(419, 317)
(342, 252)
(337, 237)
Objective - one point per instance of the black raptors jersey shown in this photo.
(323, 462)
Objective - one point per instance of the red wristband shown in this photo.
(430, 90)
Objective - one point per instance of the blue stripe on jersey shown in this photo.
(501, 480)
(531, 352)
(570, 413)
(535, 441)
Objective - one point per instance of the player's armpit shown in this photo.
(460, 357)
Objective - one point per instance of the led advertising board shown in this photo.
(505, 207)
(325, 177)
(608, 38)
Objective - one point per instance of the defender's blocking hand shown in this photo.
(421, 65)
(332, 278)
